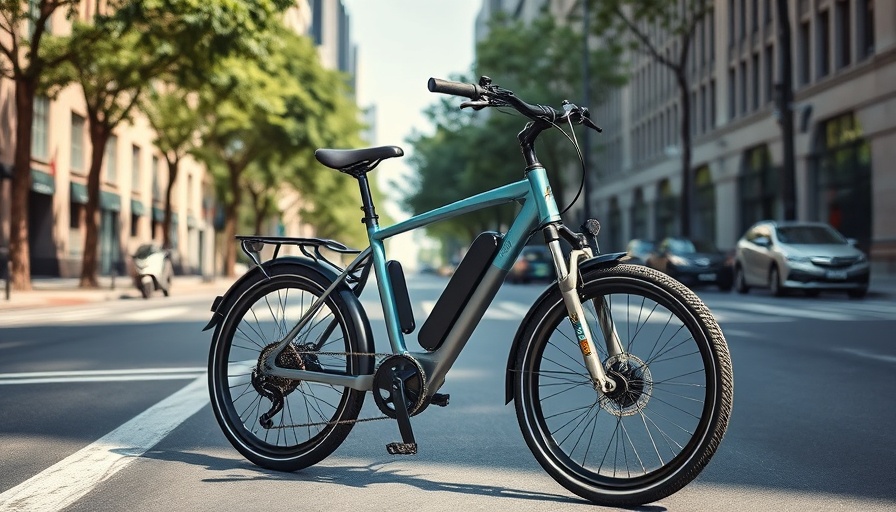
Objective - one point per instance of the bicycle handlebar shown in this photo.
(485, 94)
(472, 91)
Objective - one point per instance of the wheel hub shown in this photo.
(292, 357)
(634, 385)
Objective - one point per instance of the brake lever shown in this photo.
(475, 105)
(590, 124)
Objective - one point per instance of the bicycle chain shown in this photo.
(337, 422)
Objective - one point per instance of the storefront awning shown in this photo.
(158, 215)
(110, 201)
(79, 193)
(137, 208)
(42, 183)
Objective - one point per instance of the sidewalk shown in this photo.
(60, 291)
(65, 292)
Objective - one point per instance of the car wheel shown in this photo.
(857, 293)
(740, 282)
(774, 282)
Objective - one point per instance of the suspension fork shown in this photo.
(568, 281)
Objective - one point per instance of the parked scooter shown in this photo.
(152, 269)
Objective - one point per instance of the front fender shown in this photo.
(597, 262)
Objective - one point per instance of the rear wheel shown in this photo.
(275, 422)
(653, 434)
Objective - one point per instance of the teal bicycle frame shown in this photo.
(538, 208)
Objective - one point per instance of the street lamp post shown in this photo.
(586, 102)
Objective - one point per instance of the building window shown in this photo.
(111, 157)
(844, 34)
(705, 207)
(614, 217)
(77, 143)
(865, 33)
(39, 126)
(666, 211)
(769, 73)
(731, 25)
(743, 87)
(842, 178)
(732, 93)
(758, 187)
(804, 66)
(823, 50)
(639, 216)
(755, 79)
(135, 168)
(712, 103)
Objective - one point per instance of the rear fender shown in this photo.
(598, 262)
(223, 303)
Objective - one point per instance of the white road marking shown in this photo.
(868, 355)
(150, 315)
(68, 480)
(101, 375)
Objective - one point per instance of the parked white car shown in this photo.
(809, 256)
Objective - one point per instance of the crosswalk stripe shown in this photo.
(68, 480)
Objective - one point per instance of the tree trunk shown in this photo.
(173, 167)
(99, 136)
(230, 220)
(20, 253)
(687, 182)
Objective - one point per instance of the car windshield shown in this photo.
(809, 235)
(682, 246)
(533, 254)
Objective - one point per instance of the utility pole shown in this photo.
(586, 103)
(784, 98)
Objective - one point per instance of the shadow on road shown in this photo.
(356, 476)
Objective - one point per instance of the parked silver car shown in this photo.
(810, 256)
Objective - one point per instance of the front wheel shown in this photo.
(275, 422)
(674, 388)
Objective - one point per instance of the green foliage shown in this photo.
(272, 114)
(541, 62)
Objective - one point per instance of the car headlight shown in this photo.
(797, 259)
(862, 258)
(678, 260)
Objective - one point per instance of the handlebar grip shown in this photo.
(454, 88)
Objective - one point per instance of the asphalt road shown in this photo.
(105, 407)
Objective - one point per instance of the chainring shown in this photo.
(408, 370)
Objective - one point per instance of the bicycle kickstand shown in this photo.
(407, 446)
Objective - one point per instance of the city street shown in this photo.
(106, 408)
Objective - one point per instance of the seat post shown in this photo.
(370, 216)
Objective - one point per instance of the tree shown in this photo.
(634, 22)
(28, 51)
(120, 53)
(468, 154)
(282, 107)
(171, 112)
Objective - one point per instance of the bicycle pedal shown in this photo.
(440, 399)
(402, 448)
